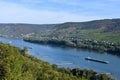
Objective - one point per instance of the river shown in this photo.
(72, 58)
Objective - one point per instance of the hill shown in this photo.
(17, 64)
(107, 30)
(24, 30)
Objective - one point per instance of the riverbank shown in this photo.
(18, 64)
(64, 55)
(99, 46)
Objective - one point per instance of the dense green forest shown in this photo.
(100, 30)
(17, 64)
(100, 46)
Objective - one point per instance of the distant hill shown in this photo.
(106, 25)
(21, 30)
(107, 29)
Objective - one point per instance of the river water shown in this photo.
(72, 58)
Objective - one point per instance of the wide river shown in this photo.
(66, 57)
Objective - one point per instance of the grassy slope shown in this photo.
(110, 37)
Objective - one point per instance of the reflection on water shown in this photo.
(68, 57)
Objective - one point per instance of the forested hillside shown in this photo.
(105, 30)
(24, 30)
(99, 46)
(17, 64)
(108, 30)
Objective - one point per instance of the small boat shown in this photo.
(96, 60)
(10, 42)
(64, 64)
(108, 73)
(28, 47)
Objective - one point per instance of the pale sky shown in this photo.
(57, 11)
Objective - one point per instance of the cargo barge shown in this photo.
(96, 60)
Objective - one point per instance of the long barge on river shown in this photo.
(96, 60)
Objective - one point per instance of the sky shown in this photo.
(57, 11)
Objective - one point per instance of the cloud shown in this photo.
(114, 0)
(14, 13)
(32, 1)
(67, 2)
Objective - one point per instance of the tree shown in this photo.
(25, 51)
